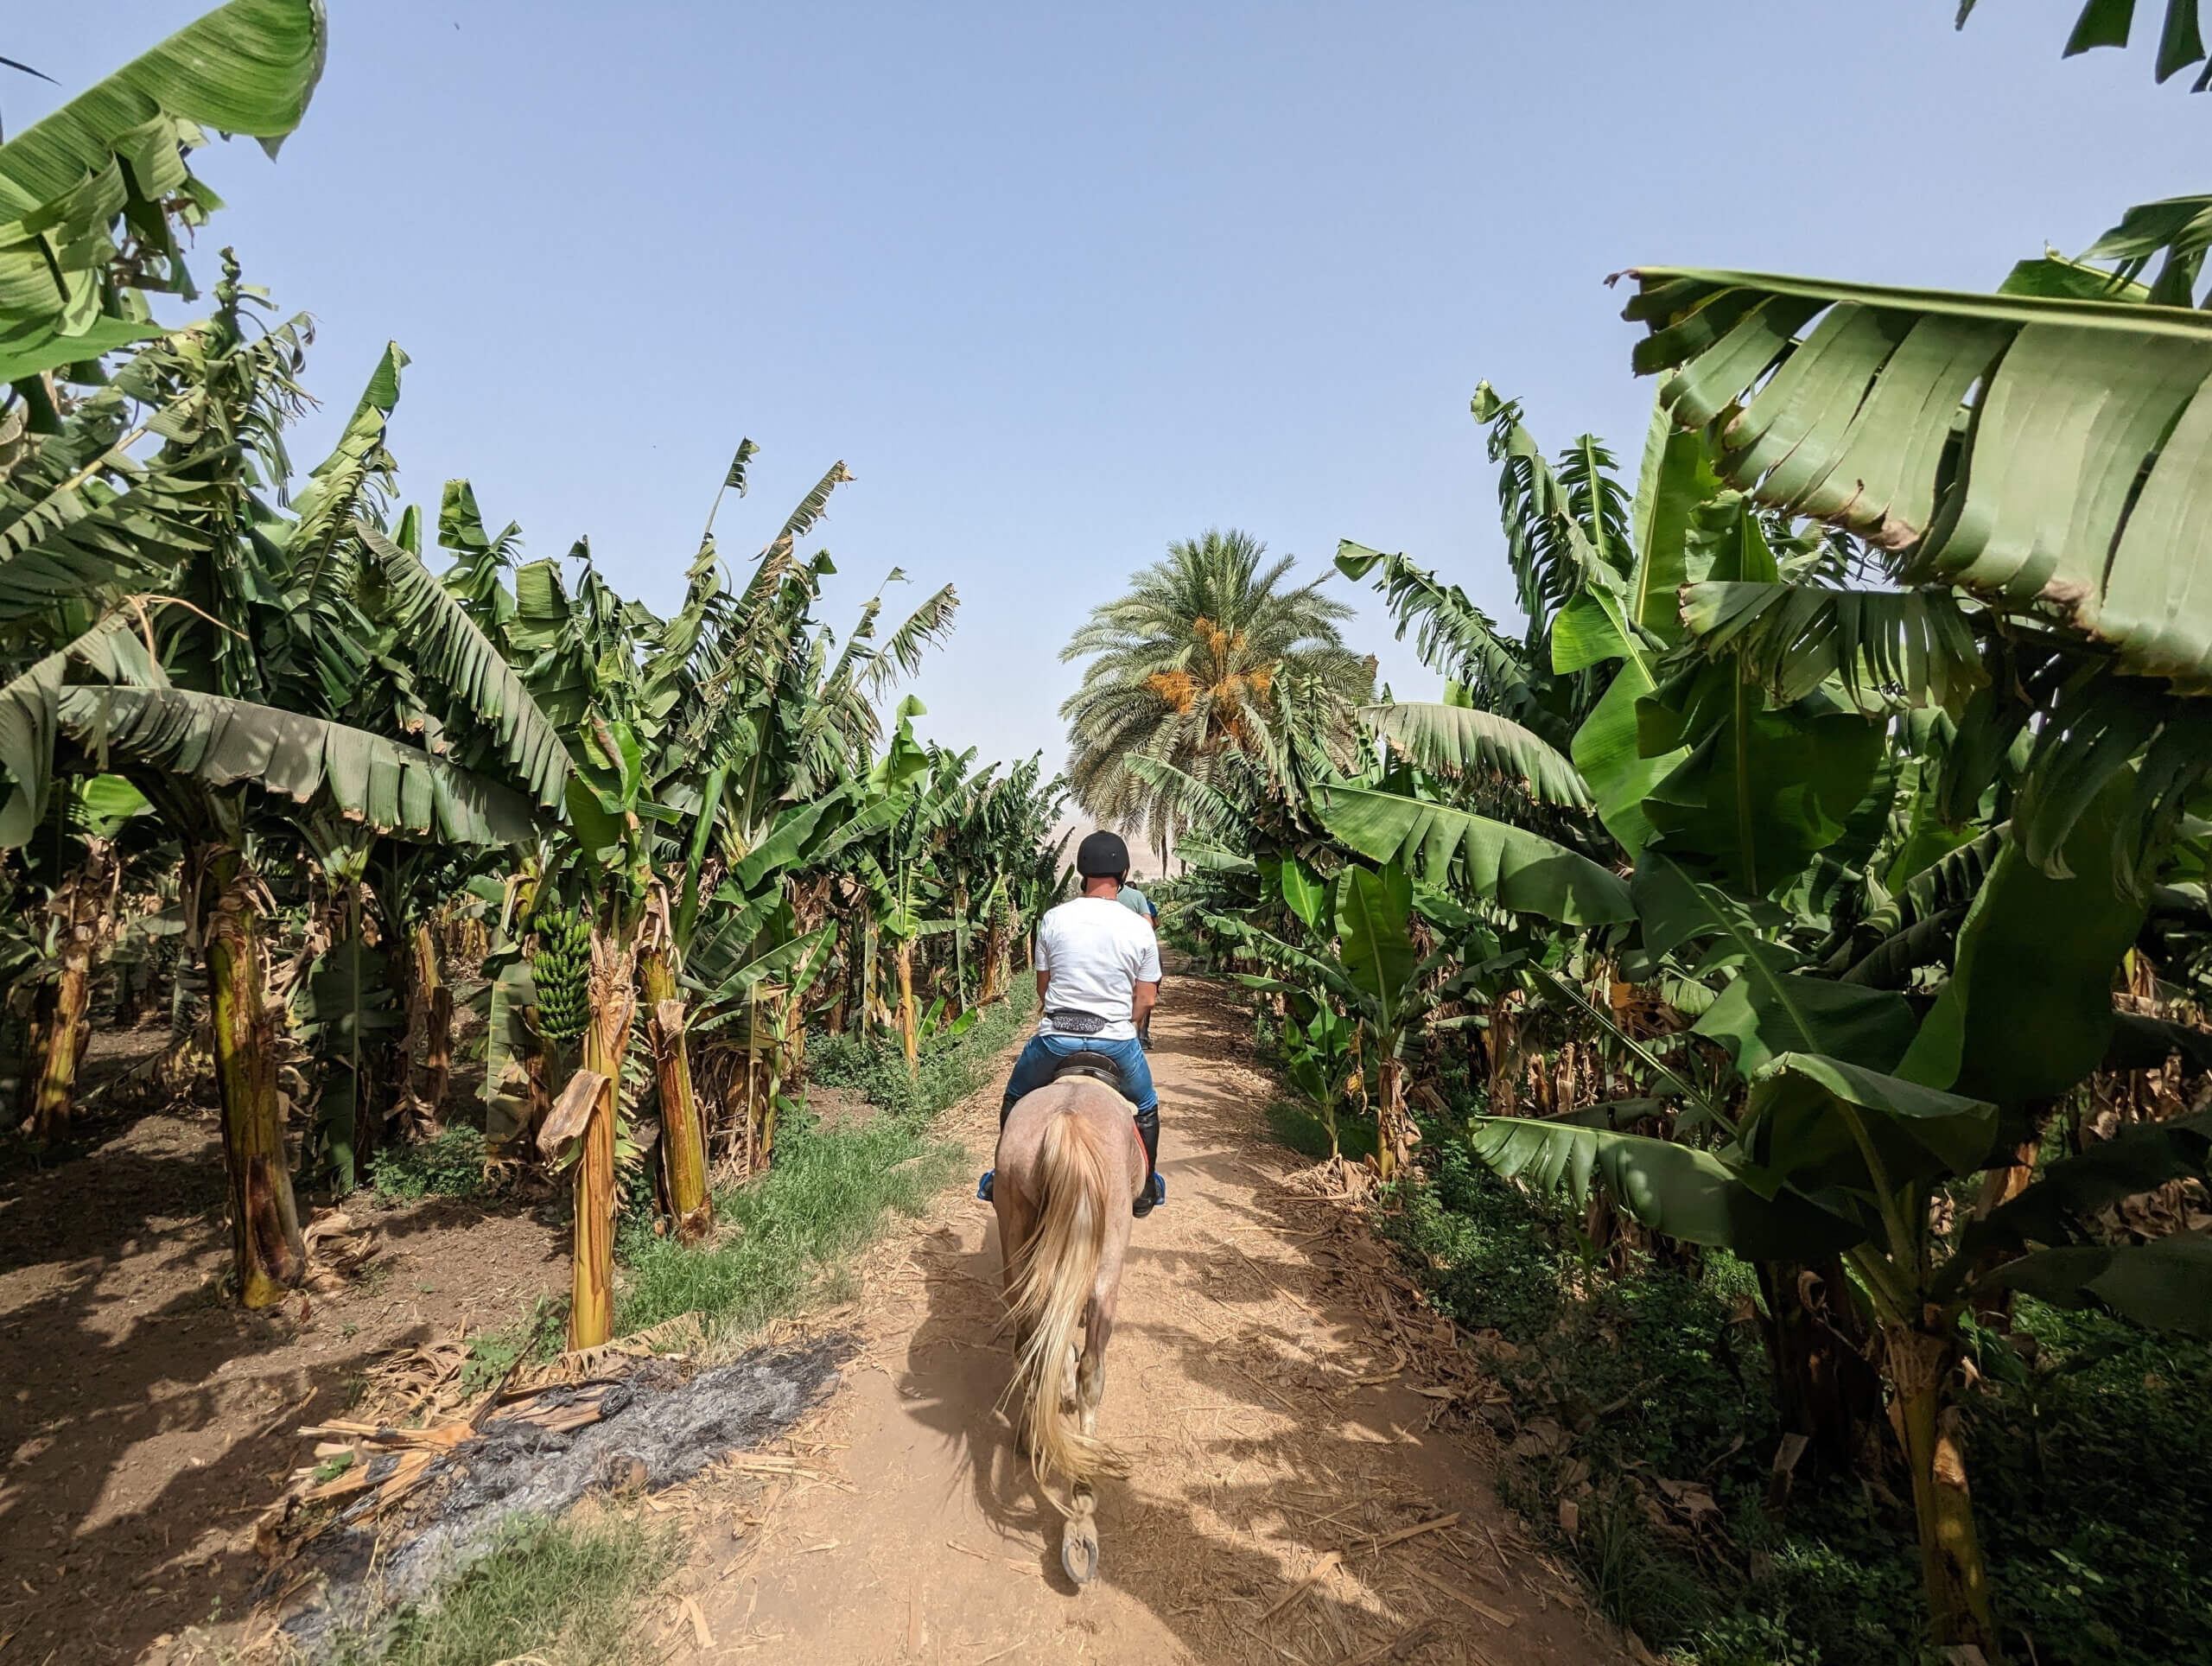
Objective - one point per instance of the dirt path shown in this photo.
(1259, 1460)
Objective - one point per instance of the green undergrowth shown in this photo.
(824, 1200)
(2090, 1461)
(551, 1591)
(539, 1335)
(829, 1188)
(950, 1067)
(828, 1191)
(449, 1166)
(1301, 1128)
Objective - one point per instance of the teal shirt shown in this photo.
(1137, 903)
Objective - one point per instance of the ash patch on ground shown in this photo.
(657, 1428)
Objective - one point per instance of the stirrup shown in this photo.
(983, 1186)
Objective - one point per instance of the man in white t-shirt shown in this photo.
(1097, 975)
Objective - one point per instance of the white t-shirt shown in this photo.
(1097, 952)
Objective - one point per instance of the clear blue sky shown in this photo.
(1061, 284)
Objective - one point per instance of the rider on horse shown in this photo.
(1097, 975)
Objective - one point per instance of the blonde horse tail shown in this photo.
(1059, 1269)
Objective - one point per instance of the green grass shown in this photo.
(950, 1068)
(2091, 1469)
(824, 1200)
(829, 1190)
(559, 1592)
(450, 1166)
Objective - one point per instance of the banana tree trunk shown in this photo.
(993, 959)
(773, 1083)
(841, 1004)
(437, 1026)
(1817, 1343)
(1957, 1585)
(683, 1137)
(958, 1004)
(62, 1034)
(87, 908)
(265, 1244)
(613, 1000)
(1395, 1134)
(908, 1034)
(871, 951)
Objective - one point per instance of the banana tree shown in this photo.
(897, 866)
(1855, 1113)
(1320, 1053)
(1375, 976)
(272, 617)
(81, 923)
(609, 863)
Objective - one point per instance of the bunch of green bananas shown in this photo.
(561, 970)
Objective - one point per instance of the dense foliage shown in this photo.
(1817, 877)
(337, 766)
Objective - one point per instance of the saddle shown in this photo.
(1097, 1065)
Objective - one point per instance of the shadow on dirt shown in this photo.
(1271, 1449)
(144, 1421)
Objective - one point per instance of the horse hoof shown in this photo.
(1079, 1551)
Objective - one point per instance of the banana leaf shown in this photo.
(1674, 1190)
(452, 651)
(30, 714)
(1676, 476)
(508, 1043)
(796, 964)
(2079, 480)
(1807, 1115)
(1509, 865)
(2059, 1209)
(217, 741)
(2163, 1285)
(2109, 22)
(1769, 1008)
(346, 1009)
(1905, 648)
(2028, 1011)
(1377, 952)
(1459, 740)
(115, 153)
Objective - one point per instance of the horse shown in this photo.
(1070, 1166)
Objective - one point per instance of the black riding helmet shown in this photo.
(1102, 854)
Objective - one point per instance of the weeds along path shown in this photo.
(1266, 1480)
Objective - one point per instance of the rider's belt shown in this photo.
(1069, 1022)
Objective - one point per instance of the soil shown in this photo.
(1259, 1460)
(1260, 1385)
(145, 1421)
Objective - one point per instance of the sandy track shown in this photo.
(1256, 1459)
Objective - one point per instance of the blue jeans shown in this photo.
(1043, 1054)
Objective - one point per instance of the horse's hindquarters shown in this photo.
(1067, 1171)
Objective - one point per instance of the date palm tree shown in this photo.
(1186, 667)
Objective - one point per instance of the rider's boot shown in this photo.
(1155, 1189)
